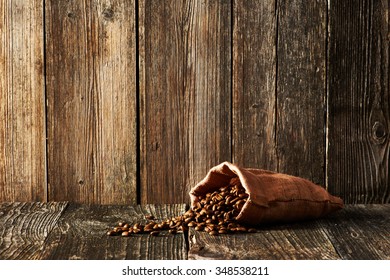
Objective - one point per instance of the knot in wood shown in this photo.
(71, 15)
(108, 14)
(379, 132)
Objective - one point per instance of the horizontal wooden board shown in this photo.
(57, 230)
(360, 232)
(291, 241)
(356, 232)
(81, 234)
(25, 226)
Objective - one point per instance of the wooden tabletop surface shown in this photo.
(62, 230)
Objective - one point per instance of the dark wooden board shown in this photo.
(356, 232)
(291, 241)
(185, 94)
(358, 101)
(22, 103)
(25, 226)
(91, 97)
(279, 84)
(81, 234)
(254, 81)
(360, 232)
(301, 88)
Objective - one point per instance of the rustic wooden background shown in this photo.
(132, 101)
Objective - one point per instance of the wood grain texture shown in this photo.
(279, 86)
(91, 96)
(185, 76)
(254, 81)
(361, 232)
(280, 242)
(301, 88)
(81, 234)
(22, 102)
(358, 101)
(25, 226)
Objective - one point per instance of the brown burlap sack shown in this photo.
(273, 197)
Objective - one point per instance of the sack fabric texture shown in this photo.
(273, 197)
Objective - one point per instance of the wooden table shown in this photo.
(62, 230)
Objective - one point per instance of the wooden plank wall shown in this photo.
(359, 100)
(22, 102)
(91, 95)
(185, 66)
(132, 101)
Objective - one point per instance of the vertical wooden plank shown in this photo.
(301, 88)
(254, 76)
(279, 86)
(358, 101)
(185, 86)
(91, 101)
(22, 106)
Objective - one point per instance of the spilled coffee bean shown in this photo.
(214, 213)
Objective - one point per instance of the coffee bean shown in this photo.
(242, 229)
(199, 228)
(191, 224)
(155, 233)
(125, 233)
(148, 228)
(213, 212)
(137, 226)
(243, 195)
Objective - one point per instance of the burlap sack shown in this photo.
(273, 197)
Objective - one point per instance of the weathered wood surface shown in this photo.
(185, 88)
(57, 230)
(300, 88)
(157, 92)
(358, 101)
(361, 232)
(81, 234)
(279, 86)
(22, 102)
(357, 232)
(91, 93)
(254, 82)
(24, 228)
(292, 241)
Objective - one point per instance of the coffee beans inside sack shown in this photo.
(213, 213)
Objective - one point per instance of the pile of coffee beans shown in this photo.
(214, 213)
